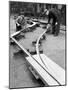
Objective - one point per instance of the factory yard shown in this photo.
(53, 47)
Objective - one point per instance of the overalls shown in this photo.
(54, 14)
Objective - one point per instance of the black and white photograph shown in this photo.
(37, 44)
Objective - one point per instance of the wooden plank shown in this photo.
(45, 77)
(52, 68)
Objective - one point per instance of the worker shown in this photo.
(20, 23)
(53, 20)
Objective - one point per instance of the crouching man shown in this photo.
(53, 21)
(20, 23)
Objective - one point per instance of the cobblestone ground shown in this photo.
(53, 47)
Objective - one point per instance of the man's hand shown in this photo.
(17, 24)
(56, 23)
(48, 26)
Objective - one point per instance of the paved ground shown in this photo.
(53, 47)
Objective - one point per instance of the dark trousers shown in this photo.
(56, 29)
(18, 28)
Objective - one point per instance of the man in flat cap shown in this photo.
(53, 20)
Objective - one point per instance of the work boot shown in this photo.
(48, 31)
(55, 34)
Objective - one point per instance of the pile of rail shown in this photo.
(44, 69)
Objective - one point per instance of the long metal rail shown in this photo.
(38, 53)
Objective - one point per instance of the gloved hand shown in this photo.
(49, 28)
(56, 23)
(17, 24)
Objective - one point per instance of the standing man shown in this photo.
(53, 20)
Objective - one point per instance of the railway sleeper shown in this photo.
(18, 37)
(38, 24)
(33, 27)
(38, 45)
(34, 72)
(43, 37)
(19, 52)
(34, 42)
(33, 52)
(26, 30)
(40, 51)
(28, 50)
(29, 22)
(12, 42)
(44, 26)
